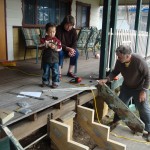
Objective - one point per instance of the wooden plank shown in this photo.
(33, 117)
(5, 115)
(98, 132)
(116, 104)
(86, 97)
(68, 120)
(60, 135)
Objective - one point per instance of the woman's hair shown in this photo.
(68, 19)
(48, 25)
(124, 49)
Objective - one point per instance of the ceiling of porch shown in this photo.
(128, 2)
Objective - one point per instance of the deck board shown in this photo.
(26, 77)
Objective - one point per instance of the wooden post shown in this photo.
(102, 108)
(68, 119)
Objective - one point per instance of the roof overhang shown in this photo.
(128, 2)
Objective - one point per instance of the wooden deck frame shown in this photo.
(25, 127)
(98, 132)
(60, 134)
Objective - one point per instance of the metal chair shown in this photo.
(83, 37)
(32, 40)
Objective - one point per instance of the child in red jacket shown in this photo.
(50, 56)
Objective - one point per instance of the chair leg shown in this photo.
(37, 51)
(25, 53)
(93, 49)
(75, 68)
(86, 53)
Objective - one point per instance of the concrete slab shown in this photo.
(125, 136)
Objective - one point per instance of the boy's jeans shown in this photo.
(46, 73)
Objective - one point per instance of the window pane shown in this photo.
(29, 11)
(40, 12)
(46, 11)
(84, 16)
(64, 10)
(79, 16)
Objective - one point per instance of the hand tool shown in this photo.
(76, 80)
(53, 97)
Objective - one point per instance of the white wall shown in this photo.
(13, 18)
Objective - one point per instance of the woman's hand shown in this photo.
(71, 51)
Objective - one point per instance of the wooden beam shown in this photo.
(60, 135)
(68, 120)
(98, 132)
(102, 107)
(33, 117)
(84, 98)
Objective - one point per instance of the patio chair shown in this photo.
(42, 32)
(91, 42)
(32, 40)
(98, 38)
(83, 37)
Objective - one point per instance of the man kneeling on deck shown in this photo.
(136, 76)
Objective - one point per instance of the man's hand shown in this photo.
(71, 51)
(102, 81)
(142, 96)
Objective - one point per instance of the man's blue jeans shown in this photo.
(73, 60)
(144, 109)
(47, 67)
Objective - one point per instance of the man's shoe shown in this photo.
(148, 137)
(113, 125)
(70, 74)
(44, 85)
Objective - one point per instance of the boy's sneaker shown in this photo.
(44, 85)
(70, 74)
(54, 86)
